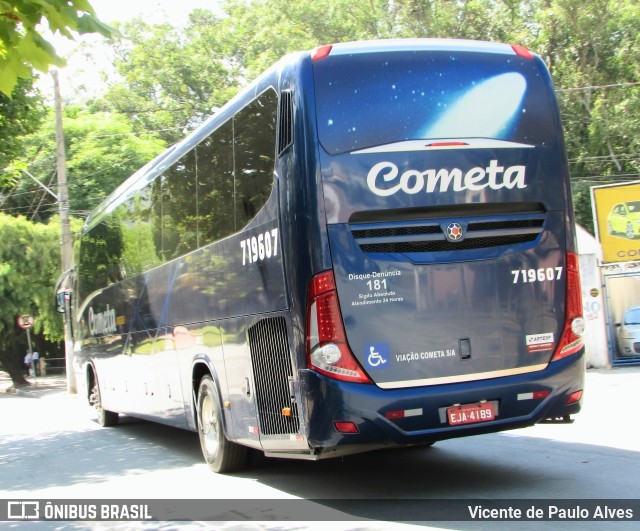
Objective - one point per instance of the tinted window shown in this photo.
(141, 242)
(255, 145)
(215, 186)
(179, 208)
(368, 100)
(100, 257)
(210, 193)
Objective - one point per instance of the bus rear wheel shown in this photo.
(220, 454)
(105, 417)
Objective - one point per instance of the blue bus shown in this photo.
(370, 246)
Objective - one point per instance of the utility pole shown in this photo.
(66, 241)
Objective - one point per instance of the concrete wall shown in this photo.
(594, 312)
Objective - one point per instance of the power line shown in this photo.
(27, 210)
(26, 192)
(616, 155)
(137, 133)
(599, 87)
(601, 178)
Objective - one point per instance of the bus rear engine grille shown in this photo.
(272, 373)
(429, 236)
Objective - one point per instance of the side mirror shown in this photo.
(62, 296)
(62, 299)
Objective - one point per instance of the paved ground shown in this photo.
(40, 386)
(65, 455)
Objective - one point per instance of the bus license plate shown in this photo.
(470, 414)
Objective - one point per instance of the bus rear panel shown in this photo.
(453, 303)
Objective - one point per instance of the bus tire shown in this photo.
(220, 454)
(105, 417)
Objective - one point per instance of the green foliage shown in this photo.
(29, 267)
(171, 79)
(581, 192)
(20, 115)
(139, 249)
(267, 35)
(593, 47)
(487, 20)
(22, 47)
(102, 151)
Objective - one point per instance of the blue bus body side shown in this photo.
(212, 297)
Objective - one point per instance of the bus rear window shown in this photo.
(372, 99)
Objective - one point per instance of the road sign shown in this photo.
(25, 321)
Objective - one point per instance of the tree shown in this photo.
(592, 51)
(102, 151)
(20, 115)
(29, 266)
(488, 20)
(23, 48)
(171, 79)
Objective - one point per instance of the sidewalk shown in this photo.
(40, 386)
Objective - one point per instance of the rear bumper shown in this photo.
(368, 406)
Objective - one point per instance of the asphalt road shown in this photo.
(52, 449)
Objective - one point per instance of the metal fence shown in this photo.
(622, 289)
(52, 366)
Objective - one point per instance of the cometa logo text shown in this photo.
(102, 322)
(384, 179)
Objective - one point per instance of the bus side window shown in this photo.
(179, 210)
(215, 186)
(255, 146)
(101, 257)
(132, 221)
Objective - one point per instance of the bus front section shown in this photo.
(453, 304)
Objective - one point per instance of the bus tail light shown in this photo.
(571, 340)
(327, 349)
(574, 397)
(321, 52)
(521, 51)
(346, 427)
(449, 143)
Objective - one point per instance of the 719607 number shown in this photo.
(260, 247)
(536, 275)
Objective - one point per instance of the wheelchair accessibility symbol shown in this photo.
(377, 355)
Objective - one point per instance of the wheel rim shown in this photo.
(94, 398)
(209, 425)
